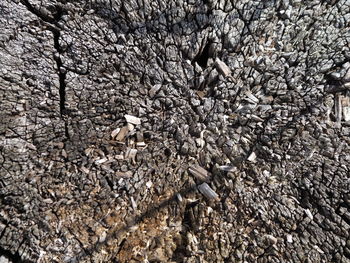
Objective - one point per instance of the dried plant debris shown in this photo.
(174, 131)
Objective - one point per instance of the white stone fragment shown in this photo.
(289, 238)
(309, 214)
(132, 119)
(149, 184)
(347, 74)
(140, 144)
(103, 236)
(252, 157)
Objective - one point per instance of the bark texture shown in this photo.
(237, 148)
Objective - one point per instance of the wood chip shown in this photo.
(119, 157)
(88, 151)
(140, 144)
(64, 154)
(100, 161)
(115, 132)
(127, 174)
(201, 93)
(199, 172)
(84, 169)
(309, 214)
(338, 107)
(227, 168)
(132, 119)
(130, 154)
(209, 193)
(256, 118)
(251, 97)
(133, 203)
(346, 108)
(153, 91)
(346, 113)
(222, 68)
(59, 145)
(122, 133)
(130, 126)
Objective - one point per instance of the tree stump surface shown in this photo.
(174, 131)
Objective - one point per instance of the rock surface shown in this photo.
(255, 93)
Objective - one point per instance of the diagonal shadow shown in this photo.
(152, 212)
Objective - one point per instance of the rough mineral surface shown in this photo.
(255, 94)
